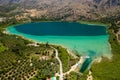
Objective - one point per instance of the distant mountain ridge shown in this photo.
(52, 2)
(63, 9)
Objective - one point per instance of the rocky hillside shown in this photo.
(60, 9)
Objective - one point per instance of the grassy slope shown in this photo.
(108, 69)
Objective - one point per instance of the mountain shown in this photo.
(60, 9)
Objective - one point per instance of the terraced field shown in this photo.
(13, 68)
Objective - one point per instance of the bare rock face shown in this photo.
(62, 9)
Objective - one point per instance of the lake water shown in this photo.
(82, 39)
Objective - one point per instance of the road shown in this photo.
(61, 68)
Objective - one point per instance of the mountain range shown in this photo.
(61, 9)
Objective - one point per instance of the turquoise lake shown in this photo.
(79, 38)
(82, 39)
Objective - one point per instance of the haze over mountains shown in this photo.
(61, 9)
